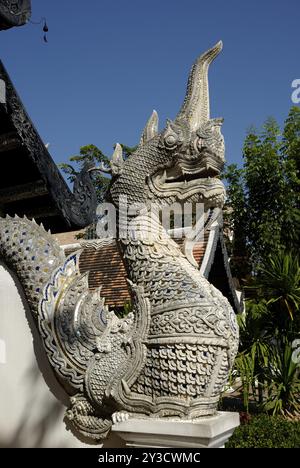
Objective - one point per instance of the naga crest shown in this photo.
(172, 354)
(183, 162)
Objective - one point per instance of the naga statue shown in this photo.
(172, 354)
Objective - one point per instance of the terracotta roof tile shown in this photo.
(65, 238)
(106, 269)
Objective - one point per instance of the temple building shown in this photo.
(30, 182)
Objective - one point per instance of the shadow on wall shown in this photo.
(32, 403)
(39, 430)
(36, 412)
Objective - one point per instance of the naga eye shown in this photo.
(176, 135)
(170, 138)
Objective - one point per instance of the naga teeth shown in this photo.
(164, 176)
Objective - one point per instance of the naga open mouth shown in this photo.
(187, 179)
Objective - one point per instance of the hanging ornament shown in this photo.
(45, 26)
(45, 29)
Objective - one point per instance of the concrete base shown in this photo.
(210, 432)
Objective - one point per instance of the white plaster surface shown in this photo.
(30, 415)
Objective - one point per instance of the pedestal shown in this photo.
(210, 432)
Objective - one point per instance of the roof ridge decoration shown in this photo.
(14, 13)
(172, 354)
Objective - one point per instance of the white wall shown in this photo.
(30, 414)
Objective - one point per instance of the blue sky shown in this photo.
(108, 63)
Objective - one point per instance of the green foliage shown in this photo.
(264, 364)
(269, 376)
(282, 379)
(122, 312)
(235, 214)
(266, 432)
(263, 213)
(278, 282)
(290, 150)
(249, 365)
(265, 191)
(263, 197)
(291, 147)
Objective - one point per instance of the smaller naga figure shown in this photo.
(171, 356)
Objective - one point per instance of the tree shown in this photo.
(263, 196)
(291, 153)
(235, 219)
(263, 212)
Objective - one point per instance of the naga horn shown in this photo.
(195, 108)
(151, 128)
(117, 160)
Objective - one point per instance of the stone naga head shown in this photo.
(181, 163)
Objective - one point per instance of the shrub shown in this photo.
(265, 431)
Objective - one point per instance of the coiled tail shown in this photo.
(32, 253)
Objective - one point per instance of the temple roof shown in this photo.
(30, 182)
